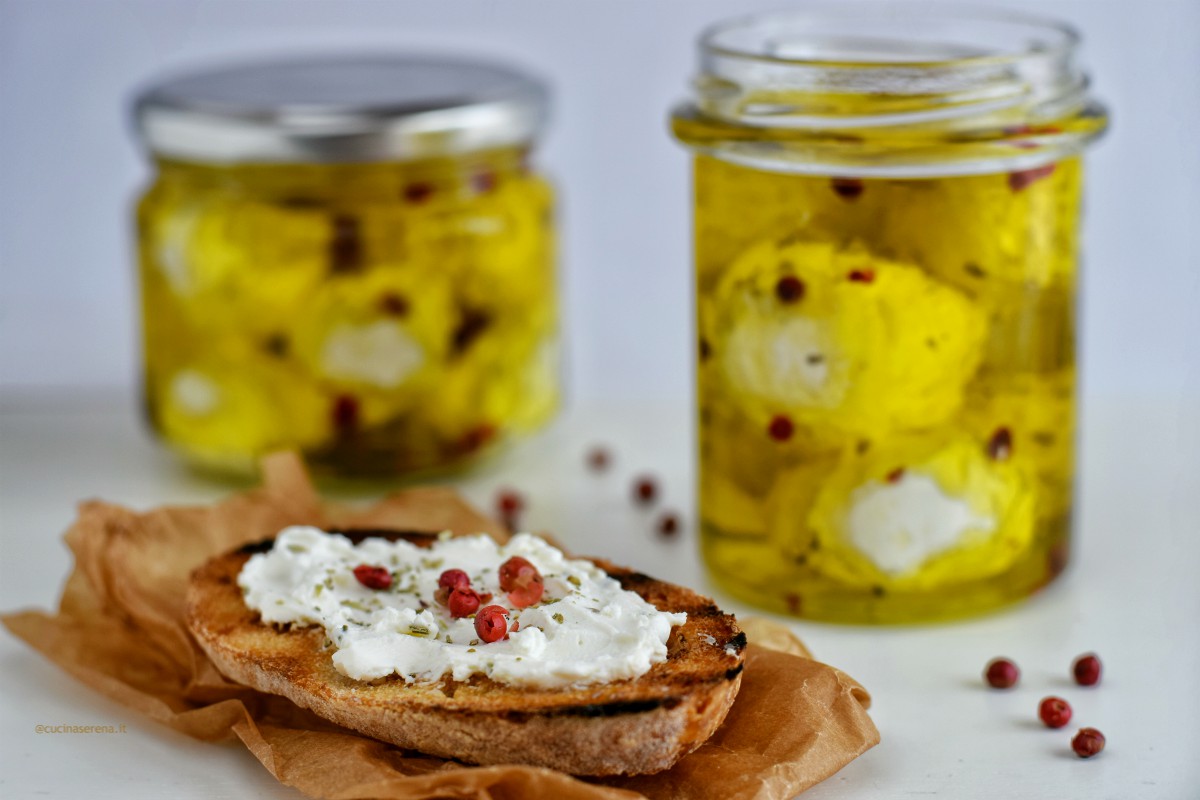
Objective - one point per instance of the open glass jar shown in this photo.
(886, 238)
(347, 256)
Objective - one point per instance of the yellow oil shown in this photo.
(384, 319)
(886, 387)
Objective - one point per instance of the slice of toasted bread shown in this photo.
(626, 727)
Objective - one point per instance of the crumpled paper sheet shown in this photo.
(119, 629)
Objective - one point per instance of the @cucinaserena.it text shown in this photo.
(120, 728)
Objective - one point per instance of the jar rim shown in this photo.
(890, 88)
(871, 11)
(339, 108)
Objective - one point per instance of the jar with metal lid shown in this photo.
(349, 256)
(887, 201)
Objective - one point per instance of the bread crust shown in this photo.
(625, 727)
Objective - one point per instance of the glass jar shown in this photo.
(351, 257)
(886, 239)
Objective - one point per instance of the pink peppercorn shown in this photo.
(1086, 669)
(1088, 742)
(781, 428)
(1054, 712)
(1001, 673)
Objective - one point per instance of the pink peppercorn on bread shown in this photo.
(626, 726)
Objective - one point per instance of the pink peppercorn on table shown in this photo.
(1130, 596)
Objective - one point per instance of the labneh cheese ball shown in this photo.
(235, 263)
(379, 337)
(837, 342)
(921, 510)
(214, 408)
(993, 236)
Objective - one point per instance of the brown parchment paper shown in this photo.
(119, 629)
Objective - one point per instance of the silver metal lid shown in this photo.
(357, 108)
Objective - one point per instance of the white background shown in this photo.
(69, 171)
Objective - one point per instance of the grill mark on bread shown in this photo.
(356, 535)
(632, 581)
(653, 589)
(594, 710)
(252, 548)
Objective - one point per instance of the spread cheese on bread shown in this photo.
(583, 629)
(630, 673)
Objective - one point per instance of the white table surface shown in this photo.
(1132, 595)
